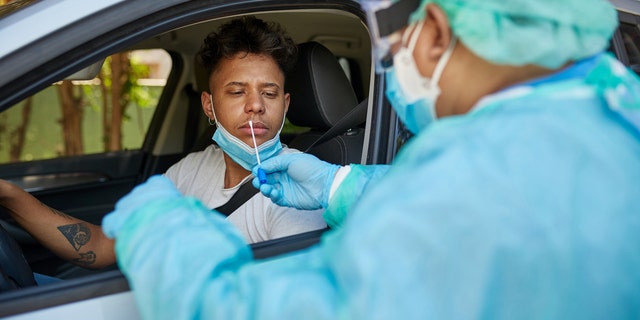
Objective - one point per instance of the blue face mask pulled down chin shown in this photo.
(242, 153)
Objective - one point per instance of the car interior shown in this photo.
(328, 88)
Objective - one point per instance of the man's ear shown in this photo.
(287, 100)
(438, 23)
(205, 100)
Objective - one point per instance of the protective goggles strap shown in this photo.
(395, 17)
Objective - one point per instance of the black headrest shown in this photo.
(321, 93)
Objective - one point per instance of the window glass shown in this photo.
(631, 37)
(111, 112)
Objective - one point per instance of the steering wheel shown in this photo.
(15, 272)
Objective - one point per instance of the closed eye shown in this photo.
(236, 92)
(270, 95)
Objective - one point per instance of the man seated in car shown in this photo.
(246, 80)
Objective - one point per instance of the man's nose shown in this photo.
(255, 103)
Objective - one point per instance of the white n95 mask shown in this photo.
(413, 96)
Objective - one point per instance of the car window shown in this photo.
(631, 38)
(111, 112)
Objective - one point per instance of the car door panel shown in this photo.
(86, 187)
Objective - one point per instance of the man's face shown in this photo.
(248, 87)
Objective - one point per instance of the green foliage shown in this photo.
(139, 95)
(44, 139)
(44, 134)
(290, 128)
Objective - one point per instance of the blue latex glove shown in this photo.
(297, 180)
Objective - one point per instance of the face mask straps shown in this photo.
(437, 72)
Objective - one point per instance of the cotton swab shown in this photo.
(262, 176)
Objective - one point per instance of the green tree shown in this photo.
(118, 87)
(72, 108)
(17, 136)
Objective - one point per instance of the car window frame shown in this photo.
(61, 51)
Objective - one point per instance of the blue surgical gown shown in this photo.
(527, 207)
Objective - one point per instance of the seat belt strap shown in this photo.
(355, 117)
(244, 193)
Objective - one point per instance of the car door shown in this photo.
(86, 181)
(70, 166)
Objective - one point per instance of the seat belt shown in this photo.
(244, 193)
(247, 190)
(351, 119)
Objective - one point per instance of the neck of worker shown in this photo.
(481, 78)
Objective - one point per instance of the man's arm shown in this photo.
(72, 239)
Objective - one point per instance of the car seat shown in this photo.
(321, 97)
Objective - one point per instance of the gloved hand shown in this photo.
(297, 180)
(156, 188)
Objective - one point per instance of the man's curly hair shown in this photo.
(249, 35)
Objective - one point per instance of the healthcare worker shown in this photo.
(518, 196)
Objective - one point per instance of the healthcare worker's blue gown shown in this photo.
(527, 207)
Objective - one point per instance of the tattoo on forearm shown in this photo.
(58, 212)
(77, 234)
(86, 258)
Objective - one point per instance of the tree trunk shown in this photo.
(106, 128)
(72, 111)
(119, 76)
(17, 136)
